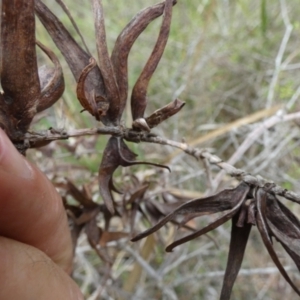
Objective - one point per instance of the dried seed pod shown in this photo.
(52, 81)
(75, 56)
(122, 48)
(19, 73)
(23, 95)
(96, 107)
(139, 92)
(164, 113)
(105, 64)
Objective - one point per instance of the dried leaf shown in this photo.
(87, 215)
(110, 236)
(67, 11)
(251, 219)
(80, 196)
(110, 161)
(159, 210)
(153, 211)
(128, 157)
(285, 226)
(94, 234)
(239, 200)
(135, 199)
(52, 81)
(238, 242)
(116, 154)
(137, 195)
(261, 198)
(139, 92)
(282, 218)
(225, 200)
(73, 212)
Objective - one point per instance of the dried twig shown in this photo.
(134, 136)
(280, 117)
(281, 51)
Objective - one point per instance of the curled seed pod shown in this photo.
(164, 113)
(125, 40)
(87, 100)
(52, 81)
(75, 56)
(139, 92)
(111, 87)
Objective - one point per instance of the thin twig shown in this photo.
(253, 136)
(279, 57)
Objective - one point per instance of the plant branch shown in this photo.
(134, 136)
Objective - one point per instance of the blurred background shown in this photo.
(236, 64)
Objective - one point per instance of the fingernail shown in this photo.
(11, 161)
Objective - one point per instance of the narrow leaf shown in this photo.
(137, 194)
(109, 164)
(239, 199)
(261, 198)
(80, 196)
(128, 157)
(238, 242)
(94, 234)
(87, 215)
(110, 236)
(285, 226)
(227, 199)
(116, 154)
(67, 11)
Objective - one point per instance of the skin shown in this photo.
(35, 242)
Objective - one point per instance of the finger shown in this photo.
(27, 273)
(31, 211)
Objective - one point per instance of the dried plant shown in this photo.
(27, 89)
(102, 90)
(246, 206)
(135, 198)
